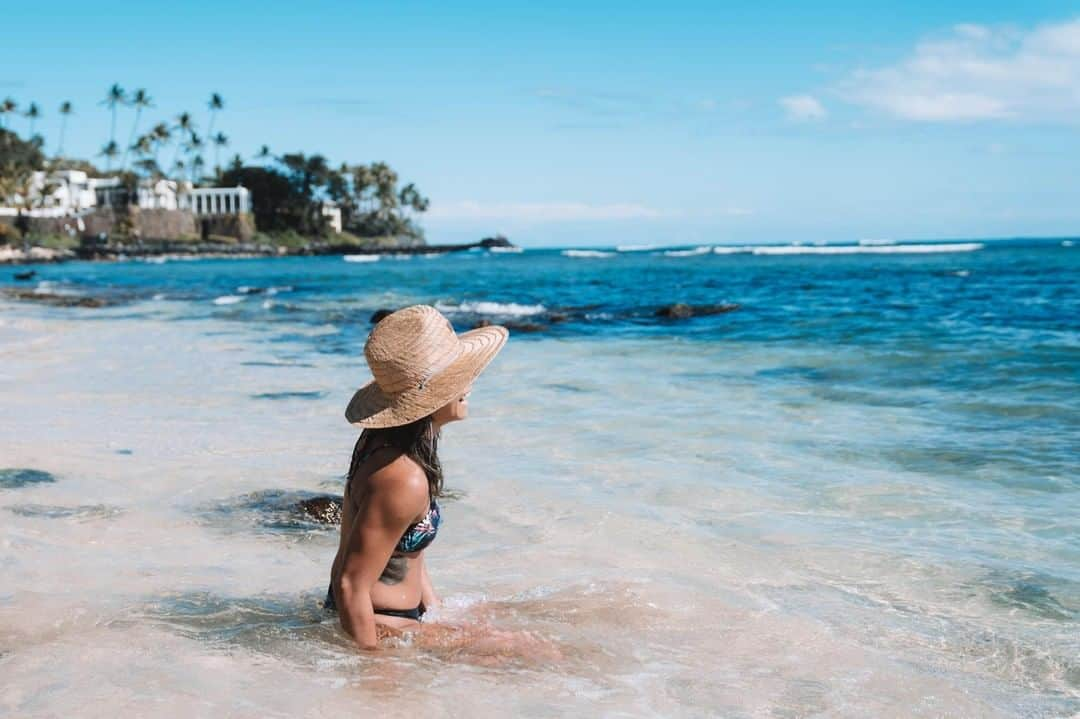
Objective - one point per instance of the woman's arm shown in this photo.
(427, 592)
(397, 493)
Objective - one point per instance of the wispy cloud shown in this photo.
(803, 107)
(540, 211)
(978, 72)
(595, 103)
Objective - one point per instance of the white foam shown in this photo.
(587, 253)
(503, 309)
(360, 258)
(1067, 243)
(228, 299)
(731, 250)
(863, 249)
(637, 248)
(507, 250)
(703, 250)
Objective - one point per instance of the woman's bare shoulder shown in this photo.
(401, 478)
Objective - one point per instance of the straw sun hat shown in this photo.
(419, 365)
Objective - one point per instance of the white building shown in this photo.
(332, 213)
(66, 193)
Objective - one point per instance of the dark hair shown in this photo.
(418, 440)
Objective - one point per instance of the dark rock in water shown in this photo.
(19, 477)
(379, 315)
(54, 300)
(326, 510)
(513, 326)
(496, 241)
(315, 394)
(525, 326)
(28, 275)
(557, 317)
(682, 311)
(277, 511)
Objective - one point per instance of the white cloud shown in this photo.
(540, 211)
(980, 73)
(803, 107)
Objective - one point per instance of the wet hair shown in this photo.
(419, 441)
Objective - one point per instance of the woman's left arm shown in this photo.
(427, 592)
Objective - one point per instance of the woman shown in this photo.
(422, 373)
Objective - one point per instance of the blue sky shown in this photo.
(604, 123)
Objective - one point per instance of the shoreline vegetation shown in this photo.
(299, 204)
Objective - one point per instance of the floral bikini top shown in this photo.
(421, 534)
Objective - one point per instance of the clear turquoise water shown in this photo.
(876, 450)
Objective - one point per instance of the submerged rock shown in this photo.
(325, 509)
(513, 326)
(277, 511)
(15, 477)
(54, 300)
(682, 311)
(379, 315)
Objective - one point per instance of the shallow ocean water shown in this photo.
(858, 494)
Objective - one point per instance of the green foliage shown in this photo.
(18, 161)
(290, 195)
(55, 241)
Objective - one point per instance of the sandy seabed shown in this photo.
(155, 574)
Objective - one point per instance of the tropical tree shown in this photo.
(109, 152)
(216, 105)
(263, 154)
(184, 126)
(161, 135)
(139, 99)
(197, 165)
(65, 110)
(113, 99)
(220, 141)
(32, 114)
(7, 107)
(19, 159)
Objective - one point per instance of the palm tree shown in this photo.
(32, 114)
(184, 125)
(109, 151)
(7, 107)
(263, 154)
(193, 148)
(161, 135)
(216, 104)
(220, 141)
(197, 169)
(139, 100)
(114, 98)
(65, 110)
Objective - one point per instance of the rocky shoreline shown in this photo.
(112, 252)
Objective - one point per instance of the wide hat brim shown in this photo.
(370, 407)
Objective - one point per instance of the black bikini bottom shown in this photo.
(416, 614)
